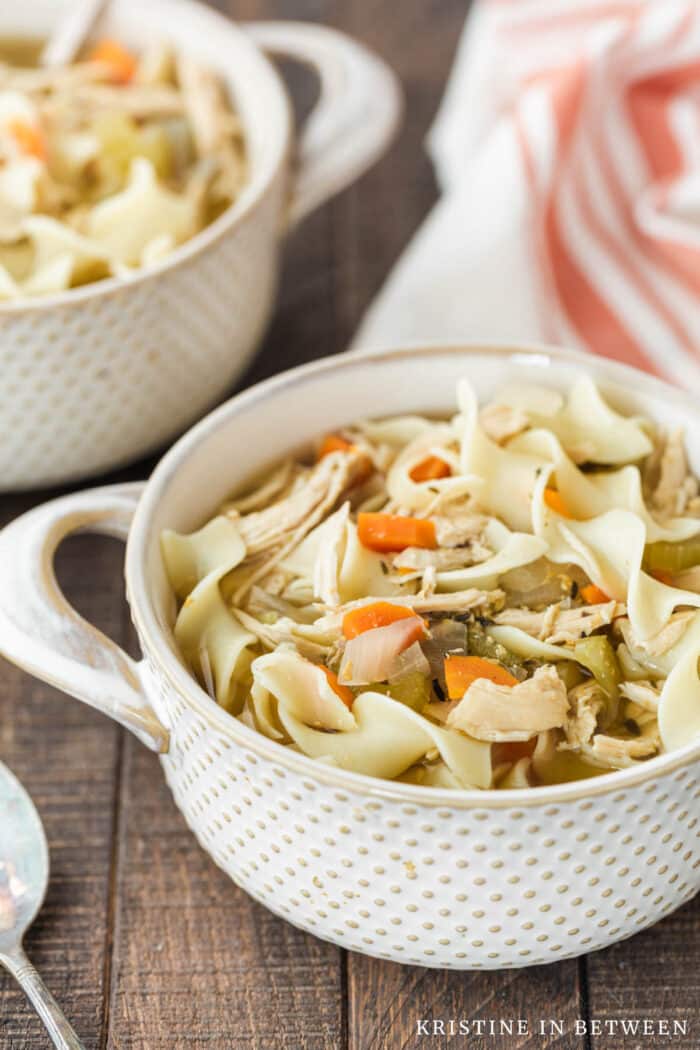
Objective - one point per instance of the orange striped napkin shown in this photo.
(567, 148)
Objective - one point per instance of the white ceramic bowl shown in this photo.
(96, 376)
(462, 879)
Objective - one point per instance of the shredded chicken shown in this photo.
(140, 102)
(268, 607)
(667, 637)
(382, 454)
(42, 79)
(214, 125)
(289, 632)
(456, 499)
(204, 104)
(559, 626)
(275, 582)
(642, 693)
(428, 583)
(498, 712)
(327, 563)
(620, 752)
(156, 65)
(297, 513)
(460, 529)
(458, 601)
(279, 529)
(272, 488)
(442, 559)
(502, 422)
(586, 702)
(545, 749)
(675, 487)
(369, 495)
(472, 600)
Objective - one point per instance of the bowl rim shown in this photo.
(199, 701)
(252, 194)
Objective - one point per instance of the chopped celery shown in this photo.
(117, 134)
(672, 557)
(570, 673)
(598, 656)
(154, 144)
(121, 139)
(181, 150)
(480, 643)
(413, 690)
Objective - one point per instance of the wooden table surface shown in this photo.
(142, 939)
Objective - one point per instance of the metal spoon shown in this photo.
(24, 874)
(71, 32)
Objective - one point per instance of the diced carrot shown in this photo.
(663, 577)
(555, 502)
(121, 63)
(29, 138)
(593, 595)
(378, 614)
(345, 694)
(333, 443)
(511, 750)
(461, 671)
(393, 532)
(430, 469)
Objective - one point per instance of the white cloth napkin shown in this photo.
(567, 149)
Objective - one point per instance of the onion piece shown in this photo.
(540, 583)
(410, 661)
(373, 655)
(447, 637)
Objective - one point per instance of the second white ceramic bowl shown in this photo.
(463, 879)
(99, 375)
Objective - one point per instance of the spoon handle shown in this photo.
(44, 1003)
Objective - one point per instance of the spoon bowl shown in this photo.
(24, 876)
(24, 861)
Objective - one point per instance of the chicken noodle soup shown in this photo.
(108, 164)
(507, 599)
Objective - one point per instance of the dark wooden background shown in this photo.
(142, 939)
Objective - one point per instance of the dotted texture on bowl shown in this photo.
(432, 884)
(97, 382)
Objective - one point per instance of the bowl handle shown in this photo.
(43, 634)
(355, 118)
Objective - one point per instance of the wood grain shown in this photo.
(143, 940)
(655, 975)
(387, 1001)
(197, 963)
